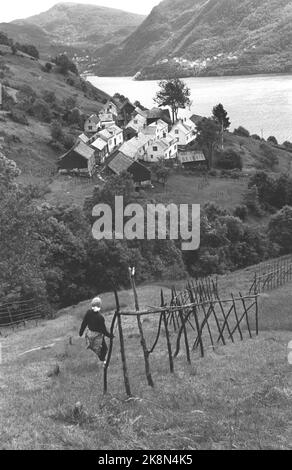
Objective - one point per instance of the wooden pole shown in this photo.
(171, 366)
(140, 327)
(122, 344)
(109, 354)
(183, 323)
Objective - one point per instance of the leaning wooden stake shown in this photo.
(143, 342)
(122, 344)
(171, 366)
(109, 354)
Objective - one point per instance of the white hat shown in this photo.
(96, 302)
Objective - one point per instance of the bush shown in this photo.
(280, 229)
(42, 111)
(65, 65)
(269, 157)
(241, 211)
(272, 140)
(256, 137)
(48, 67)
(229, 160)
(57, 131)
(288, 145)
(252, 201)
(28, 49)
(17, 115)
(241, 131)
(49, 97)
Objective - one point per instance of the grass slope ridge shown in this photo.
(237, 36)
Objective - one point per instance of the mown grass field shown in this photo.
(238, 397)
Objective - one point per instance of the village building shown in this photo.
(155, 114)
(192, 159)
(129, 133)
(113, 136)
(118, 163)
(121, 110)
(100, 148)
(163, 149)
(79, 159)
(183, 134)
(137, 147)
(92, 124)
(83, 138)
(106, 120)
(110, 108)
(138, 122)
(157, 130)
(196, 119)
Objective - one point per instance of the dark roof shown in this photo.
(196, 118)
(158, 113)
(119, 162)
(81, 149)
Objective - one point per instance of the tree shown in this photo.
(241, 131)
(65, 64)
(229, 160)
(280, 229)
(272, 140)
(175, 94)
(20, 260)
(208, 132)
(220, 116)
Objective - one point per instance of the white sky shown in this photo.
(16, 9)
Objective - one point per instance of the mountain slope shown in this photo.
(84, 26)
(199, 37)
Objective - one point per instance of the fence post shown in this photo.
(143, 342)
(122, 344)
(171, 366)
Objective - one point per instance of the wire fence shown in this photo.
(15, 313)
(272, 274)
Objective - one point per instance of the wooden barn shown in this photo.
(118, 162)
(80, 158)
(192, 159)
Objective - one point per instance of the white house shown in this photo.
(137, 147)
(113, 136)
(106, 120)
(92, 124)
(165, 149)
(183, 133)
(110, 108)
(138, 122)
(157, 130)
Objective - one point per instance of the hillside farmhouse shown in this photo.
(118, 162)
(80, 158)
(92, 124)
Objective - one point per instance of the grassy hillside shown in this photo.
(213, 37)
(238, 397)
(29, 145)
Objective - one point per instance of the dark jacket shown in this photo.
(95, 322)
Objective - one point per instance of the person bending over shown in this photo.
(94, 324)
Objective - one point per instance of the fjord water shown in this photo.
(260, 103)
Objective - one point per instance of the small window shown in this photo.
(90, 128)
(155, 149)
(176, 132)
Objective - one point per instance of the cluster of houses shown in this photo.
(124, 137)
